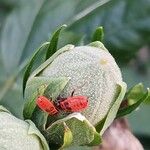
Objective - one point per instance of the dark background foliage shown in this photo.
(25, 24)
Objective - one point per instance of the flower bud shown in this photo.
(93, 72)
(18, 134)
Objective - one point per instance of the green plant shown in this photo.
(123, 39)
(77, 129)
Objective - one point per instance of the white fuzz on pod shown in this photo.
(16, 134)
(94, 73)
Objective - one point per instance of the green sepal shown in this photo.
(34, 131)
(83, 133)
(135, 93)
(67, 137)
(99, 45)
(128, 109)
(59, 136)
(50, 60)
(40, 118)
(31, 63)
(98, 34)
(36, 86)
(54, 42)
(55, 87)
(105, 123)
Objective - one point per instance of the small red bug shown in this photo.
(74, 103)
(46, 105)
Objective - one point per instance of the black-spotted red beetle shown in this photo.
(46, 105)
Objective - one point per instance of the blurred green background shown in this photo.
(25, 24)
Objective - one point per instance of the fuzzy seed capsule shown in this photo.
(94, 74)
(16, 134)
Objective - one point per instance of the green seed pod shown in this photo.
(93, 72)
(18, 134)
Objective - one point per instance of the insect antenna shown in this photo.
(78, 87)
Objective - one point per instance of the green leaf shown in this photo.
(83, 133)
(67, 136)
(124, 111)
(59, 137)
(34, 131)
(140, 125)
(31, 63)
(105, 123)
(98, 34)
(56, 86)
(36, 86)
(54, 42)
(135, 93)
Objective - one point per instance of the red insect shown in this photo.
(46, 105)
(74, 103)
